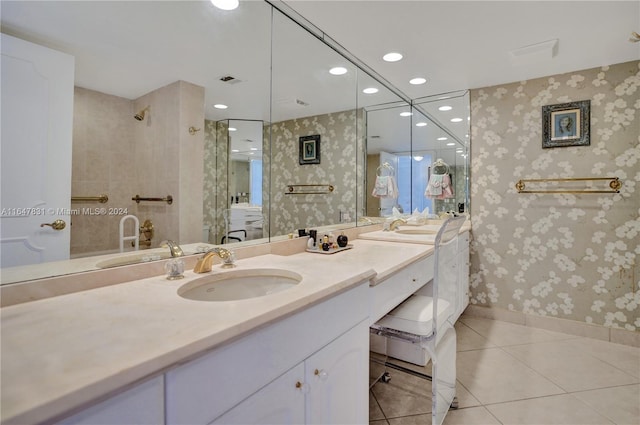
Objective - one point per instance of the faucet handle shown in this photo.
(229, 260)
(175, 249)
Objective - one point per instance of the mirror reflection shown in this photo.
(159, 114)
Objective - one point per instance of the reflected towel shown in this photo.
(439, 187)
(385, 187)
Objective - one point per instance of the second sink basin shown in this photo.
(239, 285)
(416, 231)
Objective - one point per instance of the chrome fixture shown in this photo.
(205, 262)
(140, 115)
(175, 249)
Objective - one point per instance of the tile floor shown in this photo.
(513, 374)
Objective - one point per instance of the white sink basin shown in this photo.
(239, 285)
(126, 260)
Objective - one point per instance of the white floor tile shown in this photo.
(562, 409)
(619, 404)
(493, 376)
(468, 339)
(471, 416)
(505, 334)
(569, 367)
(403, 395)
(623, 357)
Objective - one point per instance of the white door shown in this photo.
(37, 127)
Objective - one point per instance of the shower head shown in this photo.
(140, 115)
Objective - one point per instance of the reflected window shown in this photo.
(255, 176)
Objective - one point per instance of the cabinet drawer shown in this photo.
(205, 388)
(391, 292)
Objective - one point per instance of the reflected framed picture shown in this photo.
(310, 149)
(566, 124)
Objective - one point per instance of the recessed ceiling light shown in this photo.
(421, 124)
(456, 119)
(451, 144)
(338, 70)
(445, 108)
(225, 4)
(235, 150)
(405, 114)
(417, 80)
(442, 138)
(232, 129)
(392, 57)
(370, 90)
(253, 149)
(220, 106)
(418, 158)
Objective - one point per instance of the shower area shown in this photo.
(123, 148)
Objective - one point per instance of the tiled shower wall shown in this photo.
(116, 155)
(571, 256)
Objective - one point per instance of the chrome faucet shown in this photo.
(395, 223)
(205, 262)
(175, 249)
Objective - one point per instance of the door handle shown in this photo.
(56, 225)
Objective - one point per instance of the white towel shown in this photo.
(381, 187)
(434, 188)
(385, 187)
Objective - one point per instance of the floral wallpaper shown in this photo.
(342, 158)
(216, 139)
(571, 256)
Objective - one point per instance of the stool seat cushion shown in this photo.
(415, 315)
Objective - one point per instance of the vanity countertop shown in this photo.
(411, 235)
(65, 352)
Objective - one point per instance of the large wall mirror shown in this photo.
(240, 126)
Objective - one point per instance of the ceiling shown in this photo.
(467, 44)
(129, 48)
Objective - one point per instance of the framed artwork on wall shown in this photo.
(566, 124)
(310, 149)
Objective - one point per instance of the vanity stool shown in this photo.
(429, 322)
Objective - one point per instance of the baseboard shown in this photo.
(571, 327)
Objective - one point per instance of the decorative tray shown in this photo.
(331, 251)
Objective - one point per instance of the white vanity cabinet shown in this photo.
(463, 272)
(270, 374)
(142, 404)
(330, 387)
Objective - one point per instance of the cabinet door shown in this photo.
(143, 404)
(338, 380)
(280, 402)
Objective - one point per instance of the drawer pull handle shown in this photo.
(304, 388)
